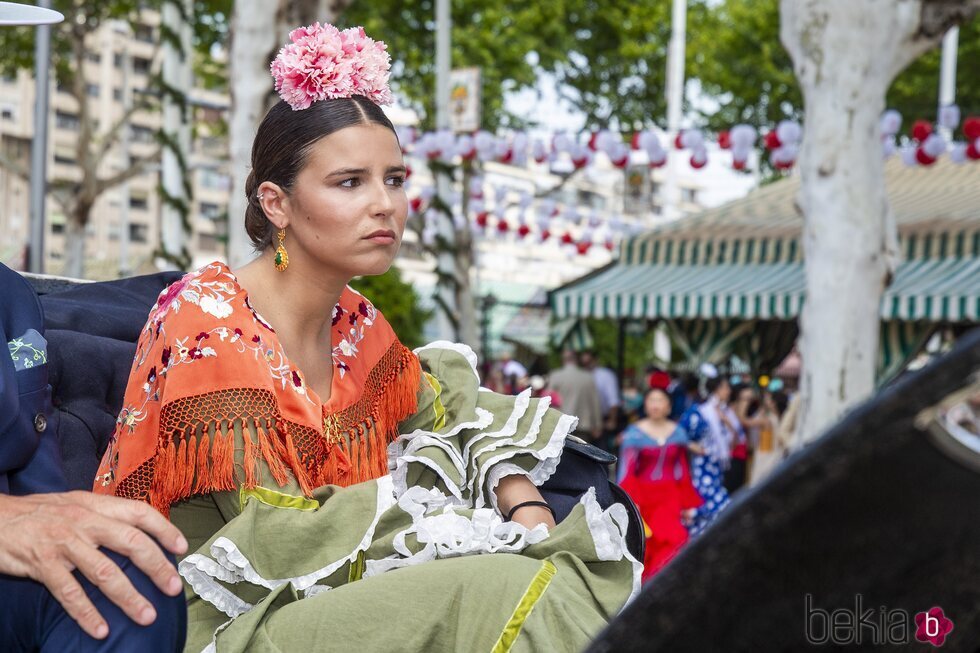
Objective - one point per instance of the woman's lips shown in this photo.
(382, 237)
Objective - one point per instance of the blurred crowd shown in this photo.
(685, 442)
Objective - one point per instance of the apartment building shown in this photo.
(124, 218)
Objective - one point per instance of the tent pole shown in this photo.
(621, 351)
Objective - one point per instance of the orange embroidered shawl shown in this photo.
(207, 361)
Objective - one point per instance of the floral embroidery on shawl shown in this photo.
(209, 368)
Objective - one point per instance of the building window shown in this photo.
(689, 195)
(138, 202)
(214, 180)
(141, 134)
(92, 90)
(58, 228)
(138, 233)
(93, 57)
(208, 210)
(117, 94)
(7, 114)
(141, 65)
(144, 33)
(64, 156)
(64, 120)
(208, 242)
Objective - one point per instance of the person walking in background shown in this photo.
(539, 388)
(609, 400)
(683, 394)
(710, 427)
(654, 471)
(768, 450)
(579, 395)
(745, 405)
(514, 372)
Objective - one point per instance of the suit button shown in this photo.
(40, 423)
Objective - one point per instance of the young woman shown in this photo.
(710, 427)
(334, 486)
(654, 472)
(747, 427)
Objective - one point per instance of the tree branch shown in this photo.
(938, 16)
(9, 164)
(111, 137)
(136, 168)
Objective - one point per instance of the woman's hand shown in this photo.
(695, 448)
(516, 489)
(687, 516)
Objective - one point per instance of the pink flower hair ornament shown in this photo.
(322, 62)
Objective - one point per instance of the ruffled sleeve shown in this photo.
(463, 438)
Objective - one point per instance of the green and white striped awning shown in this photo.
(937, 290)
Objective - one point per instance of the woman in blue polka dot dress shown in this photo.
(711, 431)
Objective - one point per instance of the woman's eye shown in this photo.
(350, 183)
(396, 181)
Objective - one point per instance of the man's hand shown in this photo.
(47, 536)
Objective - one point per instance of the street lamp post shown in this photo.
(39, 144)
(445, 260)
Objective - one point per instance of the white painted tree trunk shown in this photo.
(252, 45)
(177, 73)
(258, 29)
(846, 54)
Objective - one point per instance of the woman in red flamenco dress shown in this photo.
(654, 471)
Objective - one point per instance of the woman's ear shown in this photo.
(272, 198)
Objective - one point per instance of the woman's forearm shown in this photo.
(516, 489)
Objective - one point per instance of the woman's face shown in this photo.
(724, 392)
(657, 405)
(348, 207)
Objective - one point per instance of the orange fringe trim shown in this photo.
(354, 450)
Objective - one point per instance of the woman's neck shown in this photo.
(298, 301)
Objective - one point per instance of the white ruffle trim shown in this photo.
(458, 347)
(608, 529)
(410, 443)
(203, 573)
(548, 458)
(230, 565)
(443, 533)
(505, 435)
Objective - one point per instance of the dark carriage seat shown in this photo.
(92, 329)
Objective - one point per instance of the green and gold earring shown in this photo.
(282, 258)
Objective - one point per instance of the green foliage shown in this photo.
(616, 69)
(508, 40)
(81, 18)
(742, 65)
(638, 349)
(399, 303)
(916, 91)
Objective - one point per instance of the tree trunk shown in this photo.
(76, 220)
(174, 178)
(253, 46)
(845, 55)
(463, 260)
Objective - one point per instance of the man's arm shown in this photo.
(47, 536)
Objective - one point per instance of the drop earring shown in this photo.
(282, 258)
